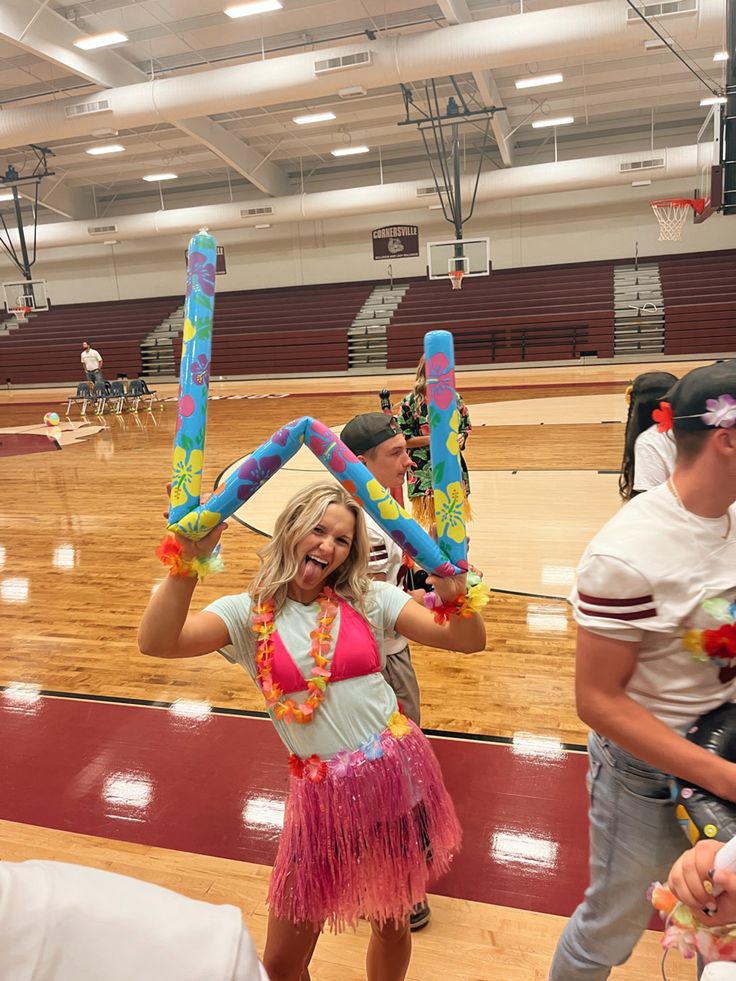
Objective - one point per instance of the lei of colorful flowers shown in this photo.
(263, 625)
(721, 413)
(718, 645)
(686, 933)
(170, 553)
(316, 769)
(475, 598)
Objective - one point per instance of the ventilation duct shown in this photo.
(653, 163)
(665, 9)
(87, 108)
(343, 62)
(499, 42)
(498, 185)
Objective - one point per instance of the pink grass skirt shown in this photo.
(363, 842)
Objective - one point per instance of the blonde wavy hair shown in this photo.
(300, 516)
(420, 385)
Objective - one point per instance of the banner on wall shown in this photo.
(221, 269)
(395, 242)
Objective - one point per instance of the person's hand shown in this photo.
(205, 546)
(691, 879)
(448, 588)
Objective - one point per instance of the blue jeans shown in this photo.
(634, 839)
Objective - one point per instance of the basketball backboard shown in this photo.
(709, 175)
(471, 255)
(30, 294)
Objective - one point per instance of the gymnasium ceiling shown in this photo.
(620, 102)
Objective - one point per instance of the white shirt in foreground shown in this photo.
(644, 578)
(62, 922)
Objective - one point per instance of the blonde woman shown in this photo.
(366, 797)
(413, 419)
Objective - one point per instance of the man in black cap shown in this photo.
(657, 579)
(377, 441)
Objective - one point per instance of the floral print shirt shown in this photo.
(413, 420)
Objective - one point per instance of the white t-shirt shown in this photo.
(354, 709)
(91, 359)
(62, 922)
(385, 559)
(644, 578)
(654, 458)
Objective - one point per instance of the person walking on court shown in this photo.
(413, 419)
(655, 574)
(366, 793)
(377, 441)
(92, 363)
(649, 455)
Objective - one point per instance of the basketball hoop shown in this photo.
(672, 215)
(456, 278)
(20, 313)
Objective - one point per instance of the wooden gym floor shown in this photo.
(167, 770)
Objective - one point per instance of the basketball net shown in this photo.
(456, 278)
(672, 216)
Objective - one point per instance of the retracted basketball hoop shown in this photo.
(456, 278)
(672, 215)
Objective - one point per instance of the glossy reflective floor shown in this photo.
(168, 770)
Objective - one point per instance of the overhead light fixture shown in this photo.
(560, 121)
(316, 117)
(435, 207)
(529, 83)
(98, 151)
(640, 183)
(350, 151)
(714, 100)
(264, 225)
(100, 40)
(111, 241)
(255, 7)
(353, 92)
(160, 177)
(720, 56)
(6, 196)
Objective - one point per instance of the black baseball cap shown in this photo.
(369, 429)
(705, 398)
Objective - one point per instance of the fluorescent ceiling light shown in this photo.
(316, 117)
(529, 83)
(720, 56)
(100, 40)
(111, 241)
(640, 183)
(560, 121)
(97, 151)
(714, 100)
(255, 7)
(349, 151)
(264, 225)
(160, 177)
(6, 196)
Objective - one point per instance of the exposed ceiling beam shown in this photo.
(50, 36)
(457, 12)
(266, 176)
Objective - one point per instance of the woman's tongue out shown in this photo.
(313, 571)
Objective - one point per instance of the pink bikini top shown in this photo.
(356, 654)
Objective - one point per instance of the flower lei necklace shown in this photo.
(263, 625)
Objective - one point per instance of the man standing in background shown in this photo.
(92, 363)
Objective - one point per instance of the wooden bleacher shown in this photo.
(47, 348)
(699, 292)
(284, 330)
(547, 313)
